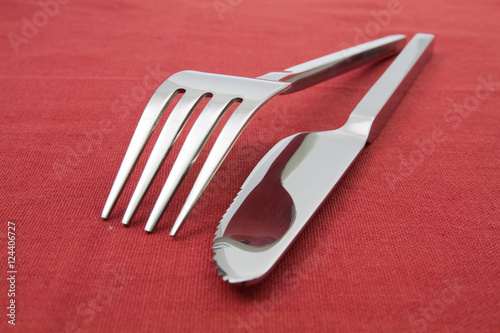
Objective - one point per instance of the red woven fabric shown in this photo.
(408, 241)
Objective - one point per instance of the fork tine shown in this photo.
(150, 117)
(196, 139)
(171, 130)
(227, 137)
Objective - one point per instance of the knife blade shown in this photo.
(293, 179)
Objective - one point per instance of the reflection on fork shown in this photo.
(248, 94)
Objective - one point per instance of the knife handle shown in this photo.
(372, 112)
(315, 71)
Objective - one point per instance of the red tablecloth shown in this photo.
(408, 241)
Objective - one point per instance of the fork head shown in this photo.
(223, 91)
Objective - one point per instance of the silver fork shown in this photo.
(224, 91)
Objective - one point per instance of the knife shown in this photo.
(293, 179)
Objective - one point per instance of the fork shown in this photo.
(224, 91)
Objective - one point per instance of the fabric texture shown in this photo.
(407, 242)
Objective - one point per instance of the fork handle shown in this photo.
(315, 71)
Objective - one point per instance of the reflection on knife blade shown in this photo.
(291, 182)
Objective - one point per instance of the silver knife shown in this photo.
(293, 179)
